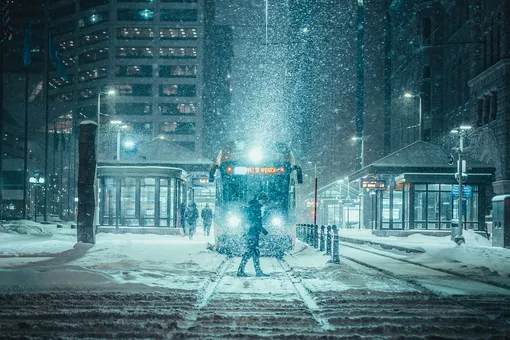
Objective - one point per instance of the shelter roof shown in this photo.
(420, 157)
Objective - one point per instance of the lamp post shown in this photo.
(120, 126)
(36, 180)
(110, 92)
(461, 176)
(362, 140)
(420, 116)
(341, 221)
(348, 199)
(315, 194)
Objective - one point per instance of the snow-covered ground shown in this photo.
(34, 256)
(442, 252)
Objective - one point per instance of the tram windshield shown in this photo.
(239, 188)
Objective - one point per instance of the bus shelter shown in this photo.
(146, 185)
(415, 188)
(338, 203)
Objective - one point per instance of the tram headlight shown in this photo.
(277, 221)
(255, 154)
(233, 221)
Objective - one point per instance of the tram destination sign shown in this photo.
(378, 185)
(263, 170)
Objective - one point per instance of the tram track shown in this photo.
(446, 271)
(492, 306)
(282, 306)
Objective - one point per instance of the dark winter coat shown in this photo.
(207, 215)
(192, 214)
(254, 218)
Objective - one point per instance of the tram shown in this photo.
(242, 171)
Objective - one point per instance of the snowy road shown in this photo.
(287, 305)
(170, 287)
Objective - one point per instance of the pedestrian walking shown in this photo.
(254, 217)
(207, 216)
(183, 218)
(192, 217)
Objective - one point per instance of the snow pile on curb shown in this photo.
(24, 228)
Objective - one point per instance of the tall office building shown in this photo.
(149, 52)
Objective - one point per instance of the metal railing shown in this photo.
(326, 240)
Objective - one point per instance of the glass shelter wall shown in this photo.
(136, 201)
(424, 206)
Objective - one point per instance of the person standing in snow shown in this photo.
(252, 236)
(183, 217)
(192, 217)
(207, 217)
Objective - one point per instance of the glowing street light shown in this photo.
(120, 126)
(420, 114)
(110, 92)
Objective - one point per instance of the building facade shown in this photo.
(149, 52)
(452, 59)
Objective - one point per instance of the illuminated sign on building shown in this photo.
(380, 185)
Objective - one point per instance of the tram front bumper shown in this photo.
(270, 245)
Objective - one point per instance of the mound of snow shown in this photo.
(24, 228)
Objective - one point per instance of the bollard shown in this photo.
(309, 238)
(336, 251)
(328, 240)
(321, 241)
(316, 236)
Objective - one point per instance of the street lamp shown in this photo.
(110, 92)
(341, 210)
(36, 180)
(348, 200)
(120, 126)
(461, 176)
(362, 140)
(315, 195)
(420, 116)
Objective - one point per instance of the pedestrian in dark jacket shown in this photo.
(207, 217)
(192, 217)
(254, 217)
(183, 217)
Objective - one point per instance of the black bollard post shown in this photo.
(316, 236)
(328, 240)
(336, 250)
(321, 241)
(309, 239)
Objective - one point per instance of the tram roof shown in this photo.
(238, 151)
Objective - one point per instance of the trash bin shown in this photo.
(455, 228)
